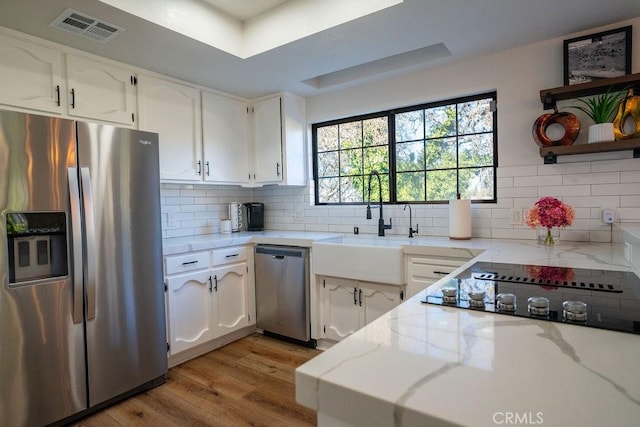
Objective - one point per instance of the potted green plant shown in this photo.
(600, 109)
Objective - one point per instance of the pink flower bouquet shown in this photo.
(550, 212)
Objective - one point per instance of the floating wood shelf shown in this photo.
(550, 154)
(548, 97)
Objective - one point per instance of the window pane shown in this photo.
(410, 156)
(328, 164)
(410, 126)
(376, 159)
(410, 187)
(376, 131)
(351, 162)
(441, 185)
(475, 116)
(351, 135)
(351, 189)
(328, 190)
(328, 138)
(441, 153)
(476, 184)
(476, 150)
(440, 121)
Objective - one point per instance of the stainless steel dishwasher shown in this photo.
(282, 292)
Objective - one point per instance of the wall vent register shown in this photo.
(597, 298)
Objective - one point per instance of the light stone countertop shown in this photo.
(205, 242)
(424, 364)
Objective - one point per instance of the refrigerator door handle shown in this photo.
(76, 230)
(90, 230)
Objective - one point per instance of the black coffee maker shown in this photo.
(255, 216)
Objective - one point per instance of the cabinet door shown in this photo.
(173, 111)
(225, 139)
(100, 91)
(374, 300)
(267, 134)
(231, 300)
(31, 76)
(339, 308)
(190, 310)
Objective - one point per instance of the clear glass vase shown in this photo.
(548, 236)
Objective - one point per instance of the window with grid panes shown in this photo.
(426, 153)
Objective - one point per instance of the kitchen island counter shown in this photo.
(422, 364)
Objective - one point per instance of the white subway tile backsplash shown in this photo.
(564, 190)
(507, 171)
(564, 169)
(537, 181)
(630, 176)
(589, 186)
(591, 178)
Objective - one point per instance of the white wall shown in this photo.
(518, 75)
(589, 183)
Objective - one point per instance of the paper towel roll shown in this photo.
(460, 219)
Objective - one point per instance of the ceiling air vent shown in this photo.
(86, 26)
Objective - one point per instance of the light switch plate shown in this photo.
(515, 215)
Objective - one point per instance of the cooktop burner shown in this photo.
(596, 298)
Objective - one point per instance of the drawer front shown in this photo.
(432, 269)
(188, 262)
(229, 255)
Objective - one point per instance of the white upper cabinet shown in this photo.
(267, 142)
(279, 140)
(225, 139)
(100, 91)
(173, 111)
(31, 76)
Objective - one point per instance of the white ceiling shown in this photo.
(409, 36)
(244, 9)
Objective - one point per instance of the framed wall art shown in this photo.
(597, 56)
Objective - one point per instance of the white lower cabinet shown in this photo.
(190, 310)
(348, 305)
(232, 299)
(211, 302)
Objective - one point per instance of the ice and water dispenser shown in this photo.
(37, 245)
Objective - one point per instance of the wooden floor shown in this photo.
(246, 383)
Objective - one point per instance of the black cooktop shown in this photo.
(597, 298)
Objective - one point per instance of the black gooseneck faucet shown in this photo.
(381, 225)
(411, 230)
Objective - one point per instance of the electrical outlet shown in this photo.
(299, 215)
(515, 215)
(608, 216)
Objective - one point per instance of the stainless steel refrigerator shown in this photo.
(82, 314)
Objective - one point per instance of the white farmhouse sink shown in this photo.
(373, 259)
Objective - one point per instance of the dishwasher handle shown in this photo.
(281, 252)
